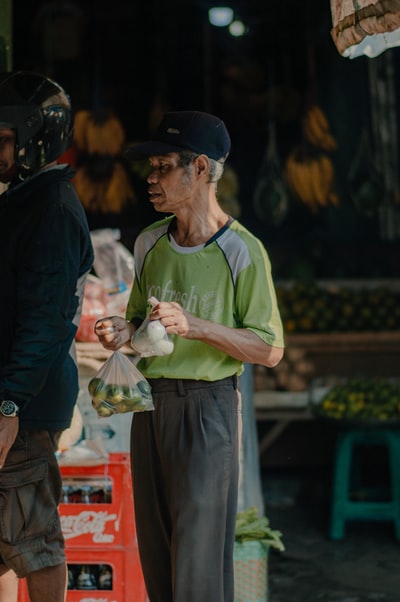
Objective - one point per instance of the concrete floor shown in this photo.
(363, 567)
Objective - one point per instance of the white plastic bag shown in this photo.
(151, 338)
(119, 387)
(112, 261)
(94, 306)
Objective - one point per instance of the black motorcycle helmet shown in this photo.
(39, 110)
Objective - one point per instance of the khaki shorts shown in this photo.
(30, 491)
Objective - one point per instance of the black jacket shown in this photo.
(45, 255)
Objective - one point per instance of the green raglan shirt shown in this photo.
(228, 281)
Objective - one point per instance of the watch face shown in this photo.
(8, 408)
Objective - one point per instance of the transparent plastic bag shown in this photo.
(119, 387)
(151, 338)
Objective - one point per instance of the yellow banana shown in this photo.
(311, 179)
(299, 178)
(311, 129)
(317, 129)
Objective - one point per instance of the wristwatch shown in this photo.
(9, 408)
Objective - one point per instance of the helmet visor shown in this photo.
(27, 120)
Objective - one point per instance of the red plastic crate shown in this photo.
(127, 581)
(102, 533)
(103, 524)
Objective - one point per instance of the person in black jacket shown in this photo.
(45, 256)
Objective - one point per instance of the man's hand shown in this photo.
(175, 319)
(114, 332)
(8, 432)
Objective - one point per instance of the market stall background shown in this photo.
(143, 58)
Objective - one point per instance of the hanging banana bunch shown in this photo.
(310, 176)
(316, 129)
(309, 170)
(105, 190)
(100, 134)
(102, 180)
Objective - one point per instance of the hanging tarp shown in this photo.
(365, 27)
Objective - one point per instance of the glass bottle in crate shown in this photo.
(108, 493)
(86, 578)
(86, 491)
(75, 495)
(105, 577)
(65, 494)
(97, 495)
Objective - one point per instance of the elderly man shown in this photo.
(212, 279)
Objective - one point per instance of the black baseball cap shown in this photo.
(196, 131)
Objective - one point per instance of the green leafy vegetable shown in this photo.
(251, 527)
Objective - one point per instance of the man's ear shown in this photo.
(202, 164)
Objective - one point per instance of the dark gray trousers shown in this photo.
(185, 482)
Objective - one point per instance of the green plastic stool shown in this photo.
(343, 509)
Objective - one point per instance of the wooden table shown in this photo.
(281, 408)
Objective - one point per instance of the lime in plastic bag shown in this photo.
(119, 387)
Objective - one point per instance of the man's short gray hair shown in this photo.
(186, 159)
